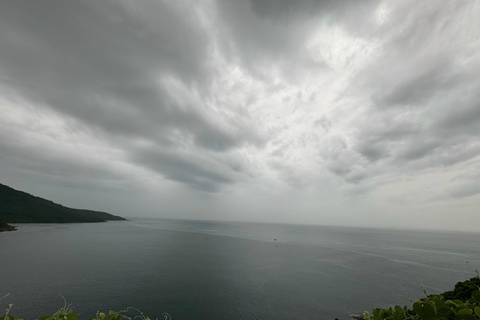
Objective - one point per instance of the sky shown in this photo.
(355, 113)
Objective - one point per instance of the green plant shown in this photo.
(66, 313)
(463, 303)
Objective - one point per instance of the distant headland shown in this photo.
(6, 227)
(20, 207)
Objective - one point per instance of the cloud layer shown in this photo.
(319, 112)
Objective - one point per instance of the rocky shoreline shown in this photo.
(6, 227)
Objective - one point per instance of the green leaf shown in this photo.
(458, 303)
(382, 315)
(366, 315)
(465, 312)
(72, 316)
(418, 308)
(398, 309)
(429, 310)
(477, 311)
(476, 296)
(397, 316)
(440, 305)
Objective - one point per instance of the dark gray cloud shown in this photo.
(418, 90)
(103, 65)
(45, 167)
(182, 169)
(287, 11)
(259, 34)
(117, 69)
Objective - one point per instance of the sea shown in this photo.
(185, 270)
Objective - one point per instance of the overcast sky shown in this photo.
(363, 113)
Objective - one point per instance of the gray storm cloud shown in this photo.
(298, 112)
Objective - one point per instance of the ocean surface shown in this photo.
(222, 270)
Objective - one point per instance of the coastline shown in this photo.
(6, 227)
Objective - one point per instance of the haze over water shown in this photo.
(226, 270)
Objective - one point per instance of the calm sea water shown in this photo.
(217, 270)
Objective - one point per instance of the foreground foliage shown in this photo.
(462, 303)
(66, 313)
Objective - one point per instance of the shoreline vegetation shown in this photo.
(461, 303)
(20, 207)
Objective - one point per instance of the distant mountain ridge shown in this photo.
(21, 207)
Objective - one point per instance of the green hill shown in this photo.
(20, 207)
